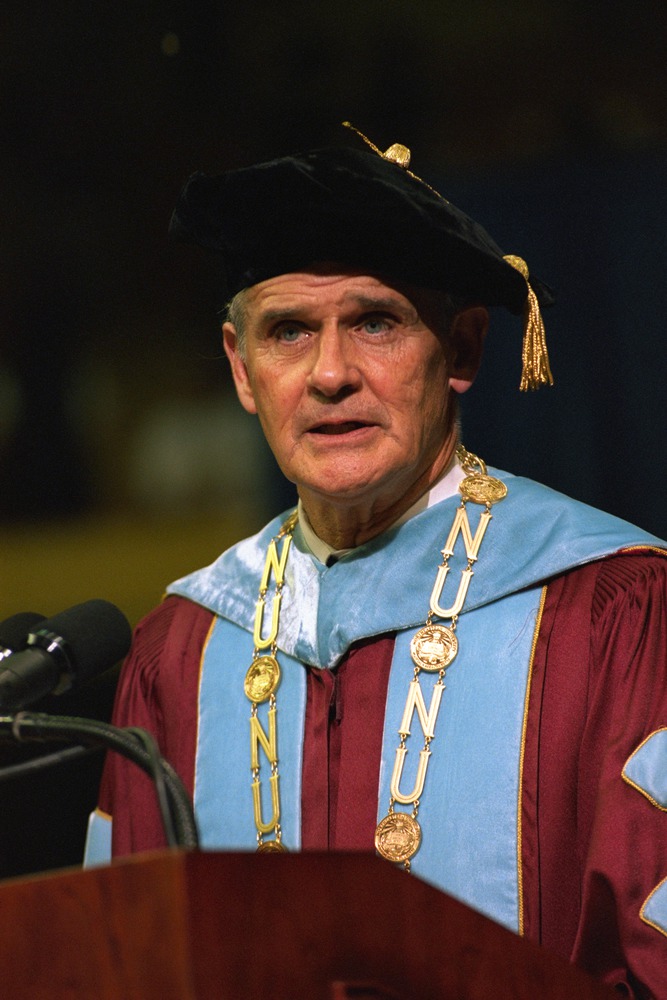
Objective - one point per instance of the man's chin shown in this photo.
(342, 488)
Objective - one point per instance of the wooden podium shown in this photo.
(315, 926)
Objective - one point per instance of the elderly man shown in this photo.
(450, 665)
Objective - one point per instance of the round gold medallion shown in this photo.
(434, 647)
(398, 836)
(262, 678)
(482, 489)
(271, 847)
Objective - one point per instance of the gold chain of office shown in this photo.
(433, 649)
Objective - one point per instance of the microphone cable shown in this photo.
(137, 745)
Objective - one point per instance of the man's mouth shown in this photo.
(342, 427)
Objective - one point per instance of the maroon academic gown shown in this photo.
(593, 846)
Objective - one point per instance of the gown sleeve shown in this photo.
(157, 691)
(597, 773)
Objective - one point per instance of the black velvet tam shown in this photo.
(347, 206)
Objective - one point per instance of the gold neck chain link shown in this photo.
(261, 683)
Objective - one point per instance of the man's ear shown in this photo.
(466, 336)
(230, 341)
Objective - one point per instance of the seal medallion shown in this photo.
(262, 678)
(434, 647)
(482, 489)
(398, 836)
(271, 847)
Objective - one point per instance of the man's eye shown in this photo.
(376, 324)
(288, 333)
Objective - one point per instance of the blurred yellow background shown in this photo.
(128, 561)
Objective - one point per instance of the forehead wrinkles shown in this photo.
(282, 303)
(361, 303)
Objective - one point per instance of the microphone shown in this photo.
(68, 649)
(14, 631)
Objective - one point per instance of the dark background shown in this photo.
(124, 461)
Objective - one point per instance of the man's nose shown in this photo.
(334, 368)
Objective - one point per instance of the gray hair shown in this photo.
(236, 313)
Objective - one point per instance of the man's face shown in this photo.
(351, 383)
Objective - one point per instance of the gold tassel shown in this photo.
(535, 370)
